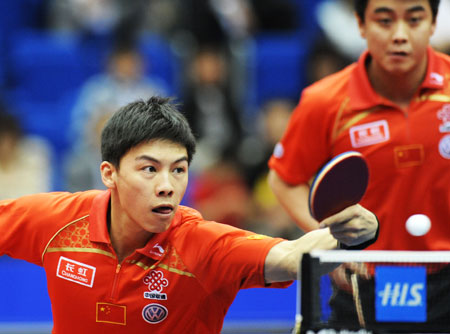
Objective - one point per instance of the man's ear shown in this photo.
(108, 171)
(361, 26)
(433, 27)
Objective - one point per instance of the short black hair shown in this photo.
(142, 121)
(361, 5)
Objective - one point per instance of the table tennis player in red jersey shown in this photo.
(131, 259)
(393, 106)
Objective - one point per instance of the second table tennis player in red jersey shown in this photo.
(393, 106)
(131, 259)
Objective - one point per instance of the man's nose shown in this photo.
(164, 186)
(400, 33)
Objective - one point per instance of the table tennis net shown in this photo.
(374, 292)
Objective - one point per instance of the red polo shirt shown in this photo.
(182, 281)
(408, 151)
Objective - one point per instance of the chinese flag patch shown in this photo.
(409, 155)
(111, 313)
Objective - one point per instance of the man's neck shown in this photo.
(125, 236)
(401, 88)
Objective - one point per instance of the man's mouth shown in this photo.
(163, 209)
(398, 53)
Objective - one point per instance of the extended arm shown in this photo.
(282, 261)
(294, 199)
(353, 226)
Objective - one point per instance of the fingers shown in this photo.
(340, 279)
(352, 226)
(341, 275)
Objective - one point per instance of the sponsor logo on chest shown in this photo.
(75, 271)
(155, 282)
(444, 127)
(444, 147)
(444, 116)
(369, 133)
(154, 313)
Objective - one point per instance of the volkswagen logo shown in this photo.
(154, 313)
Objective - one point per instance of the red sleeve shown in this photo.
(28, 223)
(304, 146)
(222, 255)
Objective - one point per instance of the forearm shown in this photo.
(283, 260)
(294, 199)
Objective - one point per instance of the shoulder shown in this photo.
(320, 101)
(439, 61)
(443, 56)
(189, 214)
(53, 202)
(438, 69)
(331, 87)
(192, 225)
(196, 235)
(192, 219)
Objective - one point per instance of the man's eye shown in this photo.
(384, 21)
(150, 169)
(415, 20)
(179, 170)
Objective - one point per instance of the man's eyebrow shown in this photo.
(418, 8)
(146, 157)
(185, 158)
(382, 10)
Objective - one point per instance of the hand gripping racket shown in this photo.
(342, 182)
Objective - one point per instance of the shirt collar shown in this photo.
(98, 227)
(157, 246)
(434, 79)
(363, 96)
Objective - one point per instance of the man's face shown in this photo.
(397, 34)
(150, 184)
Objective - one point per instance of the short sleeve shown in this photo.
(221, 255)
(28, 223)
(303, 146)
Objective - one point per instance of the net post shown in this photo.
(305, 291)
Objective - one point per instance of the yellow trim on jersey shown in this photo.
(164, 266)
(80, 250)
(352, 122)
(434, 97)
(57, 232)
(337, 131)
(338, 117)
(174, 270)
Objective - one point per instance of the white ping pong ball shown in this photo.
(418, 225)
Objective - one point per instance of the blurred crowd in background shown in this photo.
(237, 68)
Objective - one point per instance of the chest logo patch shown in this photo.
(436, 78)
(369, 134)
(409, 155)
(154, 313)
(157, 250)
(444, 116)
(75, 271)
(444, 147)
(111, 313)
(155, 282)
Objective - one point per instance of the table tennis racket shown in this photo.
(342, 182)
